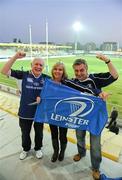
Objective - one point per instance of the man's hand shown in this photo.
(102, 57)
(38, 99)
(19, 54)
(104, 95)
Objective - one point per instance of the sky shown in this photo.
(101, 20)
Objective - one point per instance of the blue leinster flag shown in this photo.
(69, 108)
(103, 177)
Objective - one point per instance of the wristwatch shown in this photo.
(108, 61)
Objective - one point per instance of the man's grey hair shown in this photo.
(40, 59)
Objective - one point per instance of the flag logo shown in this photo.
(79, 106)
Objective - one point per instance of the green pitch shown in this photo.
(94, 65)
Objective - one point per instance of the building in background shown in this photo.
(109, 46)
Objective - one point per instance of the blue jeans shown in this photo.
(95, 148)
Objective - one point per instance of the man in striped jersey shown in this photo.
(96, 80)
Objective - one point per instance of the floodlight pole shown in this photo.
(117, 46)
(30, 39)
(76, 45)
(77, 27)
(46, 28)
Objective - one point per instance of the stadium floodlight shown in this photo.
(46, 28)
(77, 28)
(30, 39)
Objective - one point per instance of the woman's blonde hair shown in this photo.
(64, 76)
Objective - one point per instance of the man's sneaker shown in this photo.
(96, 174)
(23, 155)
(78, 156)
(39, 154)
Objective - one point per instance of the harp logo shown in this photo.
(78, 106)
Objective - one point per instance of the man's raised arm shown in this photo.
(111, 67)
(6, 68)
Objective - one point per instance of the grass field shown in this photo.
(94, 64)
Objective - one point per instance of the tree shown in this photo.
(15, 40)
(19, 41)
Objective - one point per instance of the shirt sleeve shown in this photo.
(81, 88)
(17, 74)
(102, 79)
